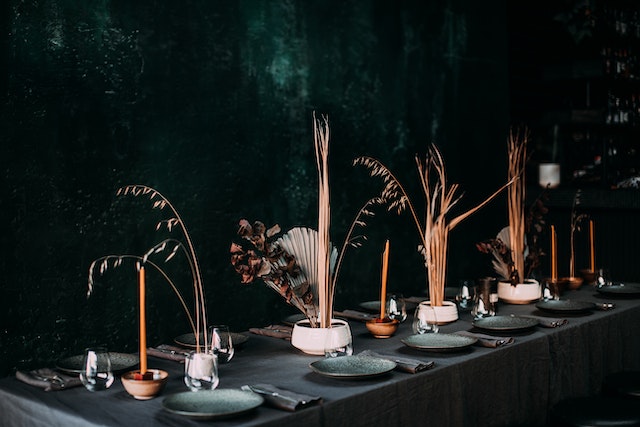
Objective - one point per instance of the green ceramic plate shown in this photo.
(352, 367)
(212, 404)
(439, 342)
(505, 323)
(189, 340)
(120, 362)
(374, 306)
(565, 306)
(630, 290)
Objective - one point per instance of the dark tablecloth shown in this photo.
(510, 385)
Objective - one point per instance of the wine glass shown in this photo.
(96, 371)
(338, 341)
(201, 371)
(221, 343)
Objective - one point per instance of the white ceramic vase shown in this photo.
(522, 293)
(312, 340)
(438, 315)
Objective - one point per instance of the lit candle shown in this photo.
(383, 291)
(554, 265)
(143, 323)
(592, 251)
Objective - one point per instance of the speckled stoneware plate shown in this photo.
(212, 404)
(374, 306)
(371, 306)
(352, 366)
(626, 290)
(189, 340)
(439, 342)
(505, 323)
(293, 319)
(565, 306)
(120, 362)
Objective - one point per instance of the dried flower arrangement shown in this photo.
(502, 262)
(516, 251)
(170, 245)
(517, 159)
(302, 265)
(440, 198)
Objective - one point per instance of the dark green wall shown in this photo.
(210, 102)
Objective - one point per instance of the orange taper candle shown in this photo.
(383, 290)
(143, 322)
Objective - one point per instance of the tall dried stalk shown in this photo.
(439, 200)
(321, 140)
(160, 202)
(576, 219)
(517, 158)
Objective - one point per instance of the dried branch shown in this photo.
(439, 200)
(175, 221)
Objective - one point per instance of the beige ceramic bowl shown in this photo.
(144, 389)
(383, 329)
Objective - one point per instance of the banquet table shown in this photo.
(509, 385)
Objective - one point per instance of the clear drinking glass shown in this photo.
(464, 297)
(396, 308)
(96, 371)
(201, 371)
(338, 341)
(424, 319)
(550, 290)
(221, 342)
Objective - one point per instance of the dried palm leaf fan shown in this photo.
(302, 243)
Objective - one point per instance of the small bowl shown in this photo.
(144, 389)
(572, 283)
(588, 276)
(382, 328)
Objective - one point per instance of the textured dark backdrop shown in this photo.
(210, 102)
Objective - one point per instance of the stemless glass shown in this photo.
(221, 342)
(424, 319)
(96, 371)
(396, 308)
(338, 341)
(463, 297)
(201, 371)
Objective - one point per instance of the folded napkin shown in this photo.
(281, 398)
(487, 340)
(169, 352)
(405, 364)
(48, 379)
(547, 322)
(275, 331)
(355, 315)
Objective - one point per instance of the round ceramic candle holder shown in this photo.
(588, 275)
(382, 328)
(572, 283)
(144, 389)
